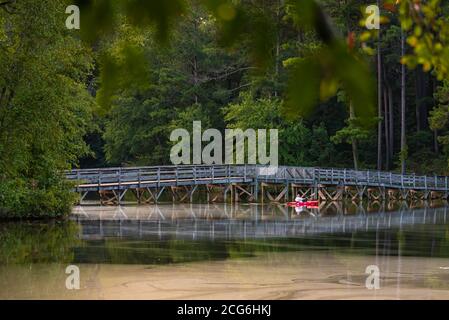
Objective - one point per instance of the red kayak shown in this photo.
(303, 204)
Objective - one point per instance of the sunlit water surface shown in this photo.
(242, 251)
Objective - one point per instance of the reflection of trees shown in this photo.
(129, 251)
(420, 241)
(27, 242)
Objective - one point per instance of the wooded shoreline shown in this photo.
(110, 93)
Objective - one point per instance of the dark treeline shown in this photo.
(113, 99)
(196, 78)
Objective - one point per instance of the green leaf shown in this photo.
(162, 14)
(303, 88)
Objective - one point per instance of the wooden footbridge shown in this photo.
(221, 183)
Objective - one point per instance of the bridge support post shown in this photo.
(111, 197)
(241, 190)
(376, 194)
(82, 195)
(220, 193)
(121, 194)
(256, 190)
(183, 193)
(356, 193)
(330, 193)
(278, 194)
(225, 193)
(404, 193)
(148, 195)
(361, 192)
(392, 194)
(304, 190)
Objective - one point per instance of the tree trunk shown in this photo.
(435, 132)
(194, 63)
(436, 149)
(403, 142)
(418, 96)
(355, 152)
(424, 92)
(379, 100)
(387, 131)
(278, 47)
(195, 77)
(391, 121)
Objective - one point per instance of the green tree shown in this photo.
(298, 144)
(45, 109)
(189, 79)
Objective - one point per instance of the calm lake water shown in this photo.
(246, 251)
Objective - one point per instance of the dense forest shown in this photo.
(110, 93)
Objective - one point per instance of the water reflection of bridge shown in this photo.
(236, 222)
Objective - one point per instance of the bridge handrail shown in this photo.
(257, 172)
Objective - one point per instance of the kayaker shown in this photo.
(299, 198)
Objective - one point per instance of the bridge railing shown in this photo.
(352, 177)
(379, 178)
(204, 173)
(148, 175)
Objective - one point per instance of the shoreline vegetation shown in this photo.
(110, 93)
